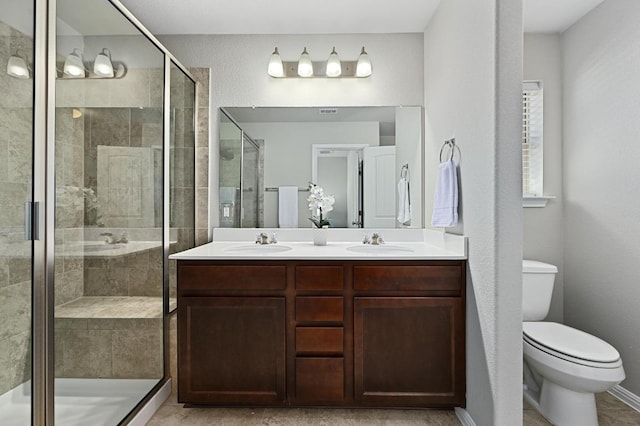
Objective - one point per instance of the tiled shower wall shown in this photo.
(202, 77)
(93, 108)
(136, 274)
(15, 182)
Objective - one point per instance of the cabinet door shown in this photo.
(409, 351)
(231, 350)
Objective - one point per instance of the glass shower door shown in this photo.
(250, 182)
(16, 187)
(230, 166)
(109, 276)
(181, 171)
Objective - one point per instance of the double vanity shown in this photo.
(346, 324)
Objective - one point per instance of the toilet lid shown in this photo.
(569, 341)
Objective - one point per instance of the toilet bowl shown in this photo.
(563, 367)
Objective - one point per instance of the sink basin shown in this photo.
(258, 248)
(380, 249)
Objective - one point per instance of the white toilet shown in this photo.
(563, 367)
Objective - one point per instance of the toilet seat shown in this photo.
(570, 344)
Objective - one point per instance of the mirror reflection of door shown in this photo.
(338, 170)
(379, 175)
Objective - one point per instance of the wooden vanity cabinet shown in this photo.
(231, 333)
(322, 333)
(320, 321)
(409, 334)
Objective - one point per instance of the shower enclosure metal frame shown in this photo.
(42, 207)
(243, 136)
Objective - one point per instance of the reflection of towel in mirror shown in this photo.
(404, 202)
(288, 206)
(445, 203)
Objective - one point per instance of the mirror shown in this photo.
(357, 154)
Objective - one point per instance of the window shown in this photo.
(532, 126)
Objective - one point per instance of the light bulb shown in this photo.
(102, 66)
(275, 69)
(73, 65)
(334, 67)
(305, 66)
(17, 67)
(363, 67)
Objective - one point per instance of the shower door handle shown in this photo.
(31, 221)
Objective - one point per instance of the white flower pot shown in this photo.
(320, 236)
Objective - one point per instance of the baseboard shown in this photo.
(628, 397)
(464, 417)
(146, 412)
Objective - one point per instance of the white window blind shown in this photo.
(532, 129)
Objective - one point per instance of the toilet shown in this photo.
(563, 367)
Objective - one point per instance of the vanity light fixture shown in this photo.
(17, 66)
(363, 66)
(333, 67)
(276, 69)
(102, 66)
(305, 66)
(74, 65)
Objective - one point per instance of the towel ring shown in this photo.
(404, 172)
(451, 143)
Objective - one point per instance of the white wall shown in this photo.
(473, 83)
(238, 74)
(409, 150)
(287, 156)
(544, 227)
(601, 66)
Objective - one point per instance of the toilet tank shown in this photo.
(537, 288)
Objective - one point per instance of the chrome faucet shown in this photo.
(375, 240)
(263, 238)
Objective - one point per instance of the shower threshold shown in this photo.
(79, 402)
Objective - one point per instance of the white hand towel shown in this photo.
(404, 202)
(288, 206)
(445, 203)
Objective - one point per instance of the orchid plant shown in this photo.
(320, 204)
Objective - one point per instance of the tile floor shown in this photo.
(611, 412)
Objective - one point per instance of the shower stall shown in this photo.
(97, 188)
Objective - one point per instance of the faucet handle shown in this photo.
(376, 239)
(273, 239)
(262, 238)
(108, 237)
(366, 239)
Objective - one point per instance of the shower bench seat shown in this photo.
(109, 337)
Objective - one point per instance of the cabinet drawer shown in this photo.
(319, 277)
(232, 277)
(320, 379)
(441, 279)
(319, 340)
(320, 309)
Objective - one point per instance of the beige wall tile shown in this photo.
(15, 359)
(15, 315)
(137, 354)
(83, 353)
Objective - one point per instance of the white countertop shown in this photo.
(297, 244)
